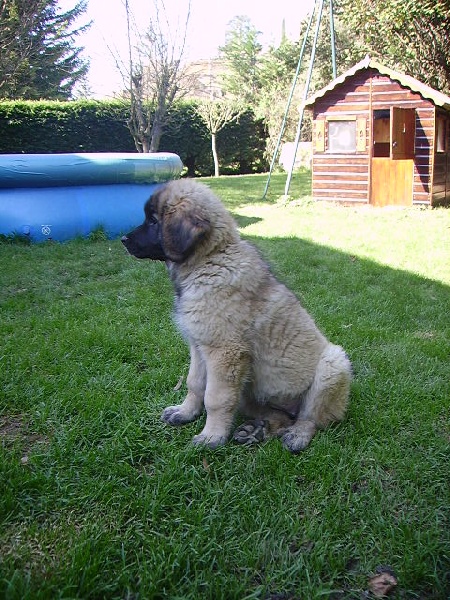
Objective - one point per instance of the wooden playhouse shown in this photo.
(381, 138)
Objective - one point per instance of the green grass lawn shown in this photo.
(99, 499)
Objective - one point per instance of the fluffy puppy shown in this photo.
(254, 349)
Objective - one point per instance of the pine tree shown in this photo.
(242, 53)
(39, 57)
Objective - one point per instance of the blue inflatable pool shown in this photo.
(62, 196)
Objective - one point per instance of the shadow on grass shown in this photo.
(244, 221)
(369, 491)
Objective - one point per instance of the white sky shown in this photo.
(206, 31)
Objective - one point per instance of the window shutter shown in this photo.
(319, 128)
(361, 135)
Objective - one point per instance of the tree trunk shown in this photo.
(159, 121)
(157, 132)
(214, 153)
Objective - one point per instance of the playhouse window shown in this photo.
(441, 134)
(382, 133)
(342, 136)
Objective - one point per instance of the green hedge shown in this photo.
(100, 126)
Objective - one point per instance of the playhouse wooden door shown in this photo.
(392, 163)
(392, 182)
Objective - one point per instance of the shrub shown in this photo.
(100, 126)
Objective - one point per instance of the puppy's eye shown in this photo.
(152, 219)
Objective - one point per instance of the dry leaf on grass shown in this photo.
(179, 384)
(382, 583)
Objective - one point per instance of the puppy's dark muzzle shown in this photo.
(153, 251)
(127, 243)
(131, 246)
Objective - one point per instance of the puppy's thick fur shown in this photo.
(254, 349)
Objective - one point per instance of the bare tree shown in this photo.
(216, 113)
(156, 77)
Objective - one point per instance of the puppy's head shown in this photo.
(173, 225)
(145, 240)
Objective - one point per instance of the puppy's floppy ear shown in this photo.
(182, 230)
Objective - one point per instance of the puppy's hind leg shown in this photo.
(325, 400)
(266, 420)
(192, 406)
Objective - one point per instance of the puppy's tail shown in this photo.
(327, 398)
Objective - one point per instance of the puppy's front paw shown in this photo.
(212, 441)
(174, 415)
(297, 437)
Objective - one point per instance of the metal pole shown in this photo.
(333, 41)
(291, 93)
(305, 95)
